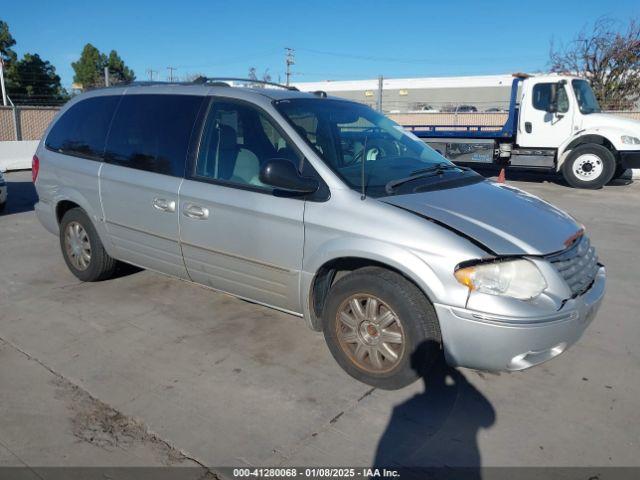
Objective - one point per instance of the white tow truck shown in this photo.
(554, 124)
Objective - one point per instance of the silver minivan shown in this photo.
(322, 208)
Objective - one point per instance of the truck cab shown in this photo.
(554, 124)
(561, 113)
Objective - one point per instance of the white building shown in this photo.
(486, 92)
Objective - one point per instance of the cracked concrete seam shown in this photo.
(104, 426)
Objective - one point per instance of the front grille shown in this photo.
(578, 265)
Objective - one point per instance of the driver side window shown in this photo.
(543, 94)
(236, 142)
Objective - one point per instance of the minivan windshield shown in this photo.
(349, 136)
(586, 98)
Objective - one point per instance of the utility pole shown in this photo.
(150, 71)
(106, 76)
(379, 101)
(290, 60)
(171, 70)
(4, 92)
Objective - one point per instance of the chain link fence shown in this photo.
(30, 122)
(25, 122)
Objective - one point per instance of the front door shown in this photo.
(238, 236)
(144, 165)
(539, 128)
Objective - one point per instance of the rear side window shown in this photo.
(82, 130)
(152, 132)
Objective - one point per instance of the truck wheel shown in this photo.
(82, 249)
(589, 166)
(376, 324)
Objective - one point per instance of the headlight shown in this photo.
(512, 278)
(629, 140)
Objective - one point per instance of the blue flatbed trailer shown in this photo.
(476, 144)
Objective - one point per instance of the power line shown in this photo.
(400, 60)
(232, 60)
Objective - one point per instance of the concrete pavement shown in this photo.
(230, 383)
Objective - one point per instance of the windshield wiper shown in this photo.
(437, 169)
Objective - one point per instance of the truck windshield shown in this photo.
(345, 134)
(584, 94)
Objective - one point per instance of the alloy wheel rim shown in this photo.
(370, 333)
(77, 246)
(588, 167)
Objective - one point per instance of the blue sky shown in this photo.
(333, 39)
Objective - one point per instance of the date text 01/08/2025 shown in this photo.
(315, 472)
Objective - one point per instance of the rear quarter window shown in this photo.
(82, 130)
(152, 132)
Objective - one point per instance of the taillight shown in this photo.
(35, 168)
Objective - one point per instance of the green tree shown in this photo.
(89, 69)
(6, 42)
(34, 81)
(118, 71)
(30, 79)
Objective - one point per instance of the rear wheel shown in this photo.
(380, 328)
(589, 166)
(82, 249)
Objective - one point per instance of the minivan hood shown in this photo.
(504, 219)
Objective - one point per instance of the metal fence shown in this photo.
(30, 122)
(488, 119)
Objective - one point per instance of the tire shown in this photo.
(79, 240)
(589, 166)
(348, 332)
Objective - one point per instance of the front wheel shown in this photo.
(380, 328)
(589, 166)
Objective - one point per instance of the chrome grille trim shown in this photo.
(578, 265)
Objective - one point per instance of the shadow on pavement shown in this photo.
(438, 427)
(21, 197)
(540, 177)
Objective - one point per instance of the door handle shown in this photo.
(528, 127)
(195, 211)
(164, 205)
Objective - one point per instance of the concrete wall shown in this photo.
(17, 155)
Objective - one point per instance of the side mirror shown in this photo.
(552, 108)
(283, 175)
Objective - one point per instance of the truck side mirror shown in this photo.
(553, 107)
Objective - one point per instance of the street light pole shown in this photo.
(4, 91)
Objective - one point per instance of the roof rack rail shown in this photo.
(144, 83)
(222, 80)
